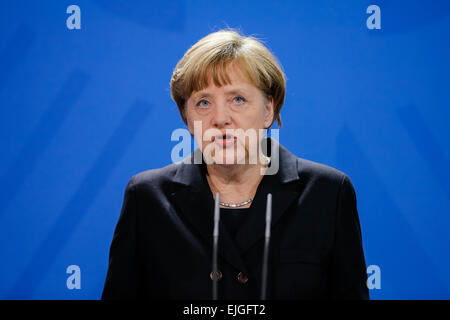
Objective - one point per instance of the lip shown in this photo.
(225, 142)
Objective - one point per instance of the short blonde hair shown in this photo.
(211, 56)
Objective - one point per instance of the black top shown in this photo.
(233, 219)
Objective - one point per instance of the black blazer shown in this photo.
(162, 244)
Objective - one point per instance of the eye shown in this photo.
(239, 100)
(202, 103)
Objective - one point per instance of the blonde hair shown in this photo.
(213, 54)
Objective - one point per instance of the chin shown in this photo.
(232, 161)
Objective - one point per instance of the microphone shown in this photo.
(215, 246)
(266, 246)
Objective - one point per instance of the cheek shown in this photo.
(190, 119)
(190, 124)
(258, 114)
(255, 120)
(193, 115)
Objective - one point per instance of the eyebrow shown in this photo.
(207, 95)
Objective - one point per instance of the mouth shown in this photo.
(224, 140)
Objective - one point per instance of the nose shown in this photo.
(221, 116)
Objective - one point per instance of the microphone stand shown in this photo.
(215, 246)
(266, 247)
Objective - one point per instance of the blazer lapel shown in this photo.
(283, 195)
(196, 204)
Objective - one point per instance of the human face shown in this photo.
(223, 110)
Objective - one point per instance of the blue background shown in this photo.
(84, 110)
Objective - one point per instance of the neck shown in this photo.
(235, 183)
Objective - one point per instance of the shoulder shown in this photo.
(325, 181)
(307, 170)
(153, 179)
(315, 172)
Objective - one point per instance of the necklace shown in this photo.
(240, 204)
(235, 205)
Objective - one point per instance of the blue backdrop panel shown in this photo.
(82, 110)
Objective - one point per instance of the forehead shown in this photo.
(235, 79)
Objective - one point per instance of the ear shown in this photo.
(268, 112)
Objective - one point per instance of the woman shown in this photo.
(162, 244)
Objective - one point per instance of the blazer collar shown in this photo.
(191, 174)
(196, 203)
